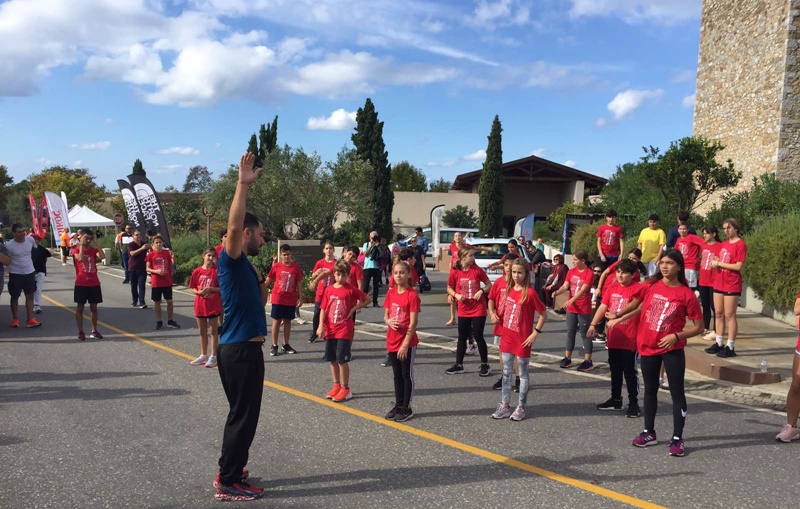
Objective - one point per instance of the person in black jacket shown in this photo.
(40, 256)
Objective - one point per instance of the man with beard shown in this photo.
(239, 356)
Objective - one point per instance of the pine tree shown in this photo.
(490, 189)
(138, 169)
(263, 136)
(368, 140)
(253, 146)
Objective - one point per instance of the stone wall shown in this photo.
(744, 92)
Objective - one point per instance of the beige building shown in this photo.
(747, 75)
(414, 209)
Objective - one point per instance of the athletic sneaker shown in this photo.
(586, 365)
(498, 384)
(245, 475)
(212, 362)
(455, 369)
(645, 439)
(633, 411)
(599, 339)
(710, 335)
(516, 384)
(386, 361)
(199, 361)
(470, 349)
(713, 349)
(33, 322)
(334, 391)
(312, 339)
(81, 336)
(142, 306)
(95, 334)
(134, 304)
(788, 433)
(676, 448)
(727, 352)
(664, 383)
(299, 321)
(287, 348)
(611, 404)
(172, 324)
(37, 310)
(238, 492)
(273, 350)
(502, 412)
(518, 415)
(15, 323)
(343, 395)
(485, 370)
(566, 362)
(159, 325)
(403, 415)
(391, 413)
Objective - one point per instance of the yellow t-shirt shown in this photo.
(651, 240)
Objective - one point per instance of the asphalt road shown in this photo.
(126, 422)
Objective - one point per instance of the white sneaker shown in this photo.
(710, 336)
(212, 362)
(199, 361)
(664, 383)
(299, 321)
(471, 350)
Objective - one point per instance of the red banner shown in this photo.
(34, 215)
(44, 217)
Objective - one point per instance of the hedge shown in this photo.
(772, 268)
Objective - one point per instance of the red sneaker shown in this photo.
(332, 393)
(343, 395)
(245, 475)
(33, 322)
(15, 323)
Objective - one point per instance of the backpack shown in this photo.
(424, 283)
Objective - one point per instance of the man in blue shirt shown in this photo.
(422, 240)
(372, 266)
(239, 355)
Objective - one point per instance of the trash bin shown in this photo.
(107, 254)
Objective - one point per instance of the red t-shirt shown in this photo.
(400, 306)
(337, 303)
(218, 248)
(467, 283)
(576, 279)
(726, 280)
(286, 277)
(160, 260)
(690, 247)
(211, 304)
(327, 280)
(356, 274)
(518, 321)
(616, 297)
(609, 236)
(454, 253)
(414, 278)
(86, 269)
(612, 276)
(497, 294)
(707, 274)
(664, 312)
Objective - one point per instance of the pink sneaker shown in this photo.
(676, 448)
(788, 433)
(645, 439)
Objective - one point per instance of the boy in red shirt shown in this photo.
(610, 241)
(159, 265)
(287, 296)
(356, 278)
(339, 302)
(87, 284)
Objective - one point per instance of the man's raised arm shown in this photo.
(235, 238)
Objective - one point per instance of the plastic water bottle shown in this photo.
(763, 364)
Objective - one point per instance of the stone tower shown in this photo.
(747, 74)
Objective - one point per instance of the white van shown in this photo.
(445, 238)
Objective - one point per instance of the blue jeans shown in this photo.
(138, 279)
(125, 257)
(508, 373)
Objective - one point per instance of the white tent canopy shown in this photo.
(84, 216)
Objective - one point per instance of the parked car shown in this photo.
(491, 251)
(445, 238)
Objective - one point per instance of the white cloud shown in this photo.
(98, 145)
(539, 152)
(478, 155)
(77, 164)
(570, 163)
(339, 120)
(600, 123)
(664, 12)
(683, 76)
(489, 14)
(183, 151)
(688, 101)
(628, 101)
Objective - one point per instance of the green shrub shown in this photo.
(542, 231)
(767, 198)
(585, 237)
(555, 221)
(772, 268)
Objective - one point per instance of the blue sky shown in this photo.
(99, 83)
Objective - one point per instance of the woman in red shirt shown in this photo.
(468, 285)
(661, 339)
(207, 307)
(579, 308)
(710, 249)
(728, 287)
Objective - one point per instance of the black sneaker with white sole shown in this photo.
(159, 325)
(172, 324)
(611, 404)
(713, 349)
(498, 384)
(273, 350)
(485, 370)
(633, 411)
(287, 348)
(455, 369)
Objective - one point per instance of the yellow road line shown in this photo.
(497, 458)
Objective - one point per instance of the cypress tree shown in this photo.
(263, 136)
(273, 135)
(253, 146)
(138, 169)
(368, 140)
(490, 189)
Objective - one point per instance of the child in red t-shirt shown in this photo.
(356, 278)
(207, 307)
(610, 240)
(339, 303)
(579, 308)
(497, 301)
(159, 265)
(321, 277)
(519, 334)
(789, 431)
(621, 336)
(87, 284)
(710, 249)
(728, 287)
(287, 296)
(401, 311)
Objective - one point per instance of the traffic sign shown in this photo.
(118, 219)
(207, 212)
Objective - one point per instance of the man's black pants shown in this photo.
(241, 369)
(372, 277)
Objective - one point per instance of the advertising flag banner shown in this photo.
(527, 227)
(135, 217)
(436, 225)
(150, 206)
(44, 217)
(35, 228)
(59, 217)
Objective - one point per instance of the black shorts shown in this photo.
(281, 312)
(337, 350)
(208, 317)
(90, 294)
(65, 251)
(21, 283)
(729, 294)
(164, 292)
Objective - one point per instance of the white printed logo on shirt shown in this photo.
(609, 238)
(89, 265)
(661, 313)
(512, 316)
(501, 302)
(707, 257)
(575, 284)
(337, 310)
(618, 302)
(286, 282)
(160, 263)
(399, 313)
(468, 287)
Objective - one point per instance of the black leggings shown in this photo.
(707, 301)
(475, 326)
(675, 367)
(315, 321)
(623, 363)
(403, 378)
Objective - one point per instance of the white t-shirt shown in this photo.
(20, 253)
